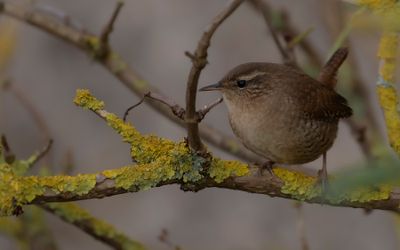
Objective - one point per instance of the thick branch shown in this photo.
(163, 162)
(199, 61)
(107, 185)
(120, 69)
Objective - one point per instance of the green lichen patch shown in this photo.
(74, 214)
(303, 187)
(84, 99)
(361, 195)
(220, 170)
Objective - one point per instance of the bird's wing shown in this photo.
(323, 103)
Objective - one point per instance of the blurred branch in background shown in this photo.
(30, 230)
(283, 29)
(100, 230)
(357, 88)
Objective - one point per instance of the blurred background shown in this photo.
(152, 36)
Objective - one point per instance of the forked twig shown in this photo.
(176, 109)
(199, 61)
(104, 49)
(203, 112)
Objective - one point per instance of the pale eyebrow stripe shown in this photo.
(252, 75)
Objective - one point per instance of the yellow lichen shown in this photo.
(18, 190)
(141, 177)
(298, 185)
(388, 46)
(389, 102)
(377, 4)
(221, 170)
(84, 99)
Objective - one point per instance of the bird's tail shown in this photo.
(328, 73)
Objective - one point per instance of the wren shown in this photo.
(282, 114)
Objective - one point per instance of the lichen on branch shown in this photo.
(159, 162)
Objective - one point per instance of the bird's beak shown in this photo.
(212, 87)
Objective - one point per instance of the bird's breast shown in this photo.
(279, 133)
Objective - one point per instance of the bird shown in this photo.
(282, 114)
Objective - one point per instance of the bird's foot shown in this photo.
(322, 181)
(268, 165)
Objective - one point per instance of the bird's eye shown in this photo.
(241, 83)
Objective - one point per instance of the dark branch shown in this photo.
(9, 156)
(104, 49)
(132, 107)
(42, 152)
(198, 63)
(176, 109)
(251, 183)
(203, 112)
(265, 10)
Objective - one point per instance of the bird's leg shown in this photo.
(268, 165)
(323, 174)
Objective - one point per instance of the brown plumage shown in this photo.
(281, 113)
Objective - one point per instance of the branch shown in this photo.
(199, 61)
(203, 112)
(104, 49)
(37, 157)
(265, 10)
(89, 43)
(98, 229)
(163, 162)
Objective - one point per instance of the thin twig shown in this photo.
(132, 107)
(203, 112)
(42, 152)
(32, 110)
(176, 109)
(120, 69)
(198, 63)
(265, 10)
(9, 156)
(105, 34)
